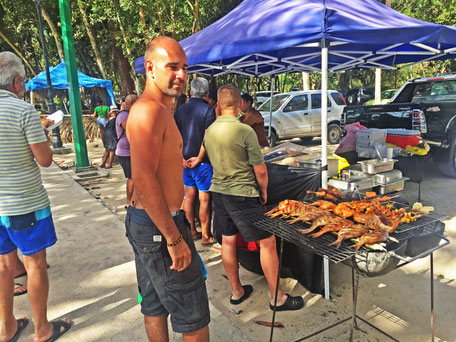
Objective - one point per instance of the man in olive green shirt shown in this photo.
(240, 181)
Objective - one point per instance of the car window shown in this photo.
(277, 101)
(338, 99)
(316, 101)
(299, 102)
(367, 91)
(434, 89)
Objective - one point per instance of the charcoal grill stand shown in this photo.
(320, 247)
(355, 288)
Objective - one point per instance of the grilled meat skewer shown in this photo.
(372, 237)
(349, 233)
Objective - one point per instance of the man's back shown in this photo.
(21, 190)
(233, 149)
(192, 119)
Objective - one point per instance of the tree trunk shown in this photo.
(388, 3)
(195, 11)
(173, 21)
(91, 36)
(122, 30)
(16, 50)
(142, 17)
(54, 33)
(127, 86)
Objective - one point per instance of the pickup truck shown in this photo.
(424, 104)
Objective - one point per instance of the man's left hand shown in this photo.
(192, 162)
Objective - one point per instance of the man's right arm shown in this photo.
(145, 132)
(261, 174)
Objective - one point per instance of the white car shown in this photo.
(263, 96)
(298, 115)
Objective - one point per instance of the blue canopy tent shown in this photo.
(59, 81)
(269, 37)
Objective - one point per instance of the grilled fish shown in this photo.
(349, 233)
(334, 227)
(372, 237)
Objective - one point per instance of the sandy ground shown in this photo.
(95, 285)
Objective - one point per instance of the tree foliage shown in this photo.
(110, 34)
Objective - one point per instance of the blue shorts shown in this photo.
(31, 232)
(101, 122)
(200, 177)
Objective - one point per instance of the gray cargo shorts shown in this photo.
(182, 294)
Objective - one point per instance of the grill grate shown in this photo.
(281, 228)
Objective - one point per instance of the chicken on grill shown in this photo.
(372, 237)
(351, 232)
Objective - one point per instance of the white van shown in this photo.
(298, 115)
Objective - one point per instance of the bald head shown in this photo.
(129, 100)
(159, 46)
(229, 97)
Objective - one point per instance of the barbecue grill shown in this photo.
(424, 235)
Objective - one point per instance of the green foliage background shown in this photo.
(121, 28)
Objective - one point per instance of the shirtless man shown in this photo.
(169, 276)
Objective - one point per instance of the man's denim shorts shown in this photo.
(199, 177)
(31, 232)
(182, 294)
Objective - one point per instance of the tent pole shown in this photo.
(324, 111)
(138, 92)
(270, 108)
(80, 147)
(324, 141)
(378, 86)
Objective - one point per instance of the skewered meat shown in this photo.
(323, 194)
(362, 217)
(370, 194)
(349, 233)
(344, 210)
(333, 191)
(325, 205)
(309, 216)
(372, 237)
(285, 207)
(321, 221)
(333, 227)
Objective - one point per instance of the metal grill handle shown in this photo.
(425, 253)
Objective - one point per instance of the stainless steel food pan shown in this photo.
(386, 177)
(352, 184)
(373, 166)
(395, 185)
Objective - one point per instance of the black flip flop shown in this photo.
(21, 324)
(292, 303)
(248, 289)
(56, 333)
(16, 286)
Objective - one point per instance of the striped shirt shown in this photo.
(21, 189)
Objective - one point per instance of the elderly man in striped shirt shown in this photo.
(25, 215)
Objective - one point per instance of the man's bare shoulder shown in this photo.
(147, 109)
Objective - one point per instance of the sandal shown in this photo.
(211, 241)
(19, 289)
(248, 289)
(292, 303)
(21, 324)
(197, 236)
(56, 332)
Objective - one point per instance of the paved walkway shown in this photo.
(92, 279)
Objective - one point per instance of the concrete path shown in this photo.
(93, 279)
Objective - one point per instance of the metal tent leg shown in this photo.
(276, 290)
(355, 287)
(326, 276)
(432, 296)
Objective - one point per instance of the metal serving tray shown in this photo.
(352, 184)
(395, 185)
(386, 177)
(373, 166)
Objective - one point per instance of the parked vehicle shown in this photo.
(425, 104)
(386, 96)
(298, 115)
(263, 96)
(357, 96)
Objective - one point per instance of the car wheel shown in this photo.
(334, 134)
(271, 139)
(306, 139)
(447, 166)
